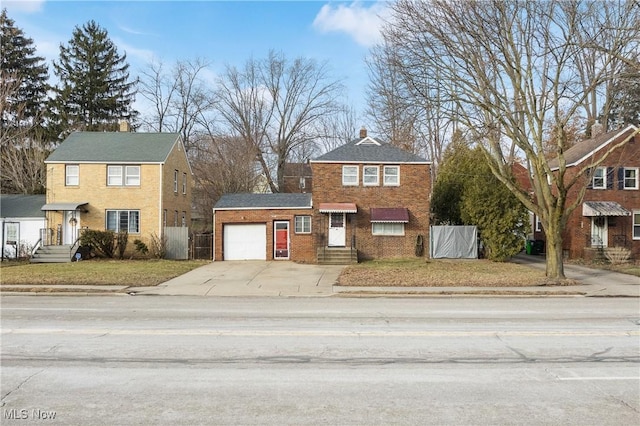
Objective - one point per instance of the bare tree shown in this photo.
(274, 104)
(510, 68)
(335, 129)
(180, 98)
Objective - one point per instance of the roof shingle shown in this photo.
(263, 201)
(369, 153)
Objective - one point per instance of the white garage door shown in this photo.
(245, 242)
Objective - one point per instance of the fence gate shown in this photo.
(177, 242)
(201, 246)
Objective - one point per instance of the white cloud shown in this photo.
(26, 6)
(358, 21)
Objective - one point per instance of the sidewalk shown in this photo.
(289, 279)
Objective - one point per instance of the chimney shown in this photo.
(125, 126)
(363, 133)
(596, 129)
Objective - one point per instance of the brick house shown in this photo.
(610, 212)
(297, 178)
(119, 181)
(369, 200)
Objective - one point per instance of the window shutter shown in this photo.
(589, 179)
(610, 173)
(620, 177)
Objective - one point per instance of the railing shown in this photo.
(36, 246)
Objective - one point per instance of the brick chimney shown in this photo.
(596, 129)
(125, 126)
(363, 133)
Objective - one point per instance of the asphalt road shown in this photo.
(182, 360)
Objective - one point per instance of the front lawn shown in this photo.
(136, 273)
(441, 273)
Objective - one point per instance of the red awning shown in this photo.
(338, 208)
(390, 215)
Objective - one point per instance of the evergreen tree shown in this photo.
(94, 92)
(23, 77)
(625, 102)
(467, 193)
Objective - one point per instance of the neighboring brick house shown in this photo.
(297, 178)
(120, 181)
(369, 200)
(610, 212)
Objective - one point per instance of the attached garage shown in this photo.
(245, 241)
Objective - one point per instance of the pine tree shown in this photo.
(23, 77)
(94, 92)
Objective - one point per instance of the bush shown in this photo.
(102, 242)
(141, 247)
(617, 255)
(122, 238)
(158, 246)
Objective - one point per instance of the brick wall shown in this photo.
(93, 188)
(301, 245)
(576, 238)
(412, 193)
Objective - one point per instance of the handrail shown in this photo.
(36, 246)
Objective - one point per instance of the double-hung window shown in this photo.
(350, 175)
(184, 183)
(599, 180)
(303, 224)
(391, 176)
(631, 178)
(123, 221)
(123, 175)
(370, 176)
(72, 175)
(175, 185)
(636, 224)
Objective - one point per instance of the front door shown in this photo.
(70, 226)
(281, 240)
(599, 231)
(337, 230)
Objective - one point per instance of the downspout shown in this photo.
(160, 209)
(213, 238)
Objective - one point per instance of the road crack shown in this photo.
(2, 400)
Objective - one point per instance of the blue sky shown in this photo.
(222, 32)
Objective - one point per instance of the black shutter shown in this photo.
(610, 173)
(620, 177)
(589, 179)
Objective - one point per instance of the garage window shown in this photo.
(303, 224)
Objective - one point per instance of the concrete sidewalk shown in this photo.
(290, 279)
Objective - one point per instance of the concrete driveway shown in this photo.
(251, 278)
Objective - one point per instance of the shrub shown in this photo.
(141, 247)
(158, 246)
(102, 242)
(122, 240)
(617, 255)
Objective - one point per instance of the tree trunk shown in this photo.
(555, 264)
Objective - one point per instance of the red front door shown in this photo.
(281, 240)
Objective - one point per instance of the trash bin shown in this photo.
(528, 246)
(538, 246)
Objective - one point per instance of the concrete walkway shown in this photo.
(251, 278)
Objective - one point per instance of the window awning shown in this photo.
(338, 208)
(390, 215)
(64, 207)
(603, 208)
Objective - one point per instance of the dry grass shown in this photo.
(442, 273)
(138, 273)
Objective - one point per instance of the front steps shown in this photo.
(52, 254)
(336, 256)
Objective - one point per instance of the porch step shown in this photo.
(336, 256)
(52, 254)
